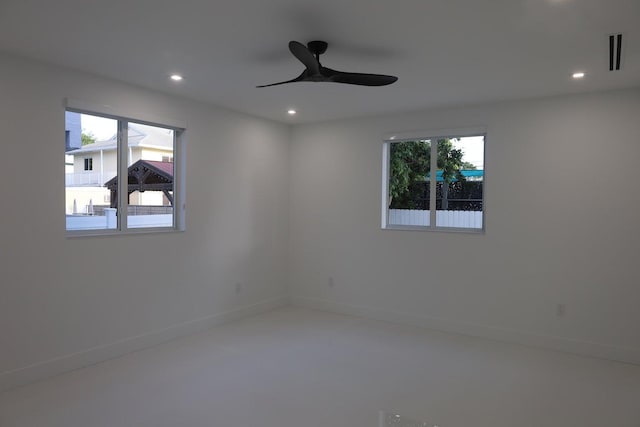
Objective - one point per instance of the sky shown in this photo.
(102, 128)
(473, 149)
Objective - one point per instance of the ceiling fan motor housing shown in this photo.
(317, 47)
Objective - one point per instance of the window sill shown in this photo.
(432, 229)
(73, 234)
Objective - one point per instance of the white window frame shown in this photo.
(179, 169)
(432, 135)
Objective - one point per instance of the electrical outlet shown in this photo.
(561, 310)
(238, 288)
(331, 283)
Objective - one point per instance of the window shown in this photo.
(450, 199)
(117, 179)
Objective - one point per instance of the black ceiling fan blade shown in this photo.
(314, 72)
(305, 56)
(361, 79)
(297, 79)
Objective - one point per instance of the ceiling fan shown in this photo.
(314, 72)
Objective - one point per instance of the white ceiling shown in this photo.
(445, 52)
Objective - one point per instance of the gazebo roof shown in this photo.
(146, 175)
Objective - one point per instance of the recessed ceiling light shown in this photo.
(578, 75)
(176, 77)
(291, 112)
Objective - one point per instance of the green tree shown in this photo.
(410, 162)
(468, 166)
(450, 163)
(87, 138)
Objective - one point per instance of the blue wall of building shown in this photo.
(73, 131)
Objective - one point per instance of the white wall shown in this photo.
(65, 302)
(68, 302)
(573, 161)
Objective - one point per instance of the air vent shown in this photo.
(615, 51)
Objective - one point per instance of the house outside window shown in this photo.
(98, 201)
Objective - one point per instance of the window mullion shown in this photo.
(386, 172)
(123, 174)
(177, 201)
(433, 183)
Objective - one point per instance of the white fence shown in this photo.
(456, 219)
(109, 221)
(80, 179)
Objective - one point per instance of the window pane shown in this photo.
(90, 161)
(151, 171)
(409, 182)
(460, 180)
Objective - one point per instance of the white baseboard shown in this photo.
(583, 348)
(81, 359)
